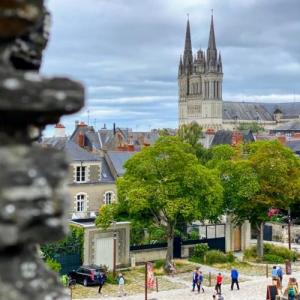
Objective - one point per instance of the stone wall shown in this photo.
(33, 195)
(280, 231)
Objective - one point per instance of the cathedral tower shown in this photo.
(200, 80)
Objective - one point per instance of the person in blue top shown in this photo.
(200, 282)
(274, 273)
(101, 280)
(234, 278)
(280, 274)
(195, 278)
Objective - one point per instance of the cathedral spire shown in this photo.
(188, 53)
(212, 39)
(212, 53)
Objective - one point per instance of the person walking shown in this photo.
(121, 283)
(195, 278)
(234, 278)
(274, 273)
(101, 280)
(280, 274)
(218, 286)
(200, 282)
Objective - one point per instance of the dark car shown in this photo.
(86, 275)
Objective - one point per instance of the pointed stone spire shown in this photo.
(188, 53)
(180, 68)
(212, 49)
(212, 39)
(220, 66)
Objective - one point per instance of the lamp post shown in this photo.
(114, 249)
(289, 227)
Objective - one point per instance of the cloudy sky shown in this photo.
(127, 52)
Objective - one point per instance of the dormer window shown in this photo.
(80, 174)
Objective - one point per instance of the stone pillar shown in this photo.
(33, 193)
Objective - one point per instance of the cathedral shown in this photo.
(200, 80)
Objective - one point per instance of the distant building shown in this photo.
(200, 82)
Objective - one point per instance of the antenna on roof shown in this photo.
(88, 117)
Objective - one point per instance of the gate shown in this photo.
(268, 230)
(69, 262)
(104, 252)
(177, 247)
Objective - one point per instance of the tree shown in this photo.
(165, 183)
(266, 175)
(190, 133)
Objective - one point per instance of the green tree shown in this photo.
(166, 183)
(265, 176)
(190, 133)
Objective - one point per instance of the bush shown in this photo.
(53, 265)
(271, 258)
(272, 253)
(216, 256)
(159, 264)
(200, 250)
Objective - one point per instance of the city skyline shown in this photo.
(130, 69)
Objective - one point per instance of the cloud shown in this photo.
(127, 52)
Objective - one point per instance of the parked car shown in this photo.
(86, 275)
(297, 239)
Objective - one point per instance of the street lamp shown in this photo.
(114, 248)
(289, 227)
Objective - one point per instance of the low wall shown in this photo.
(145, 255)
(280, 231)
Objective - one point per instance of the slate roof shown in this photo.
(118, 159)
(290, 126)
(259, 111)
(294, 145)
(222, 137)
(76, 153)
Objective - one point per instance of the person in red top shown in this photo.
(219, 283)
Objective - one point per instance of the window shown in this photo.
(80, 174)
(109, 197)
(80, 201)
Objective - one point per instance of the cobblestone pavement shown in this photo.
(254, 289)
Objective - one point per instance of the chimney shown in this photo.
(80, 139)
(114, 129)
(237, 138)
(76, 123)
(296, 135)
(59, 130)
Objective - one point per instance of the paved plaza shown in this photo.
(253, 289)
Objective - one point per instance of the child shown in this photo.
(121, 282)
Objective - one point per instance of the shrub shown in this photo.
(216, 256)
(271, 258)
(53, 265)
(272, 253)
(200, 250)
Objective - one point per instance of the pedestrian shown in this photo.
(121, 283)
(280, 275)
(291, 291)
(200, 282)
(101, 280)
(234, 278)
(274, 273)
(195, 278)
(219, 280)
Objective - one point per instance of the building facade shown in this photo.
(200, 86)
